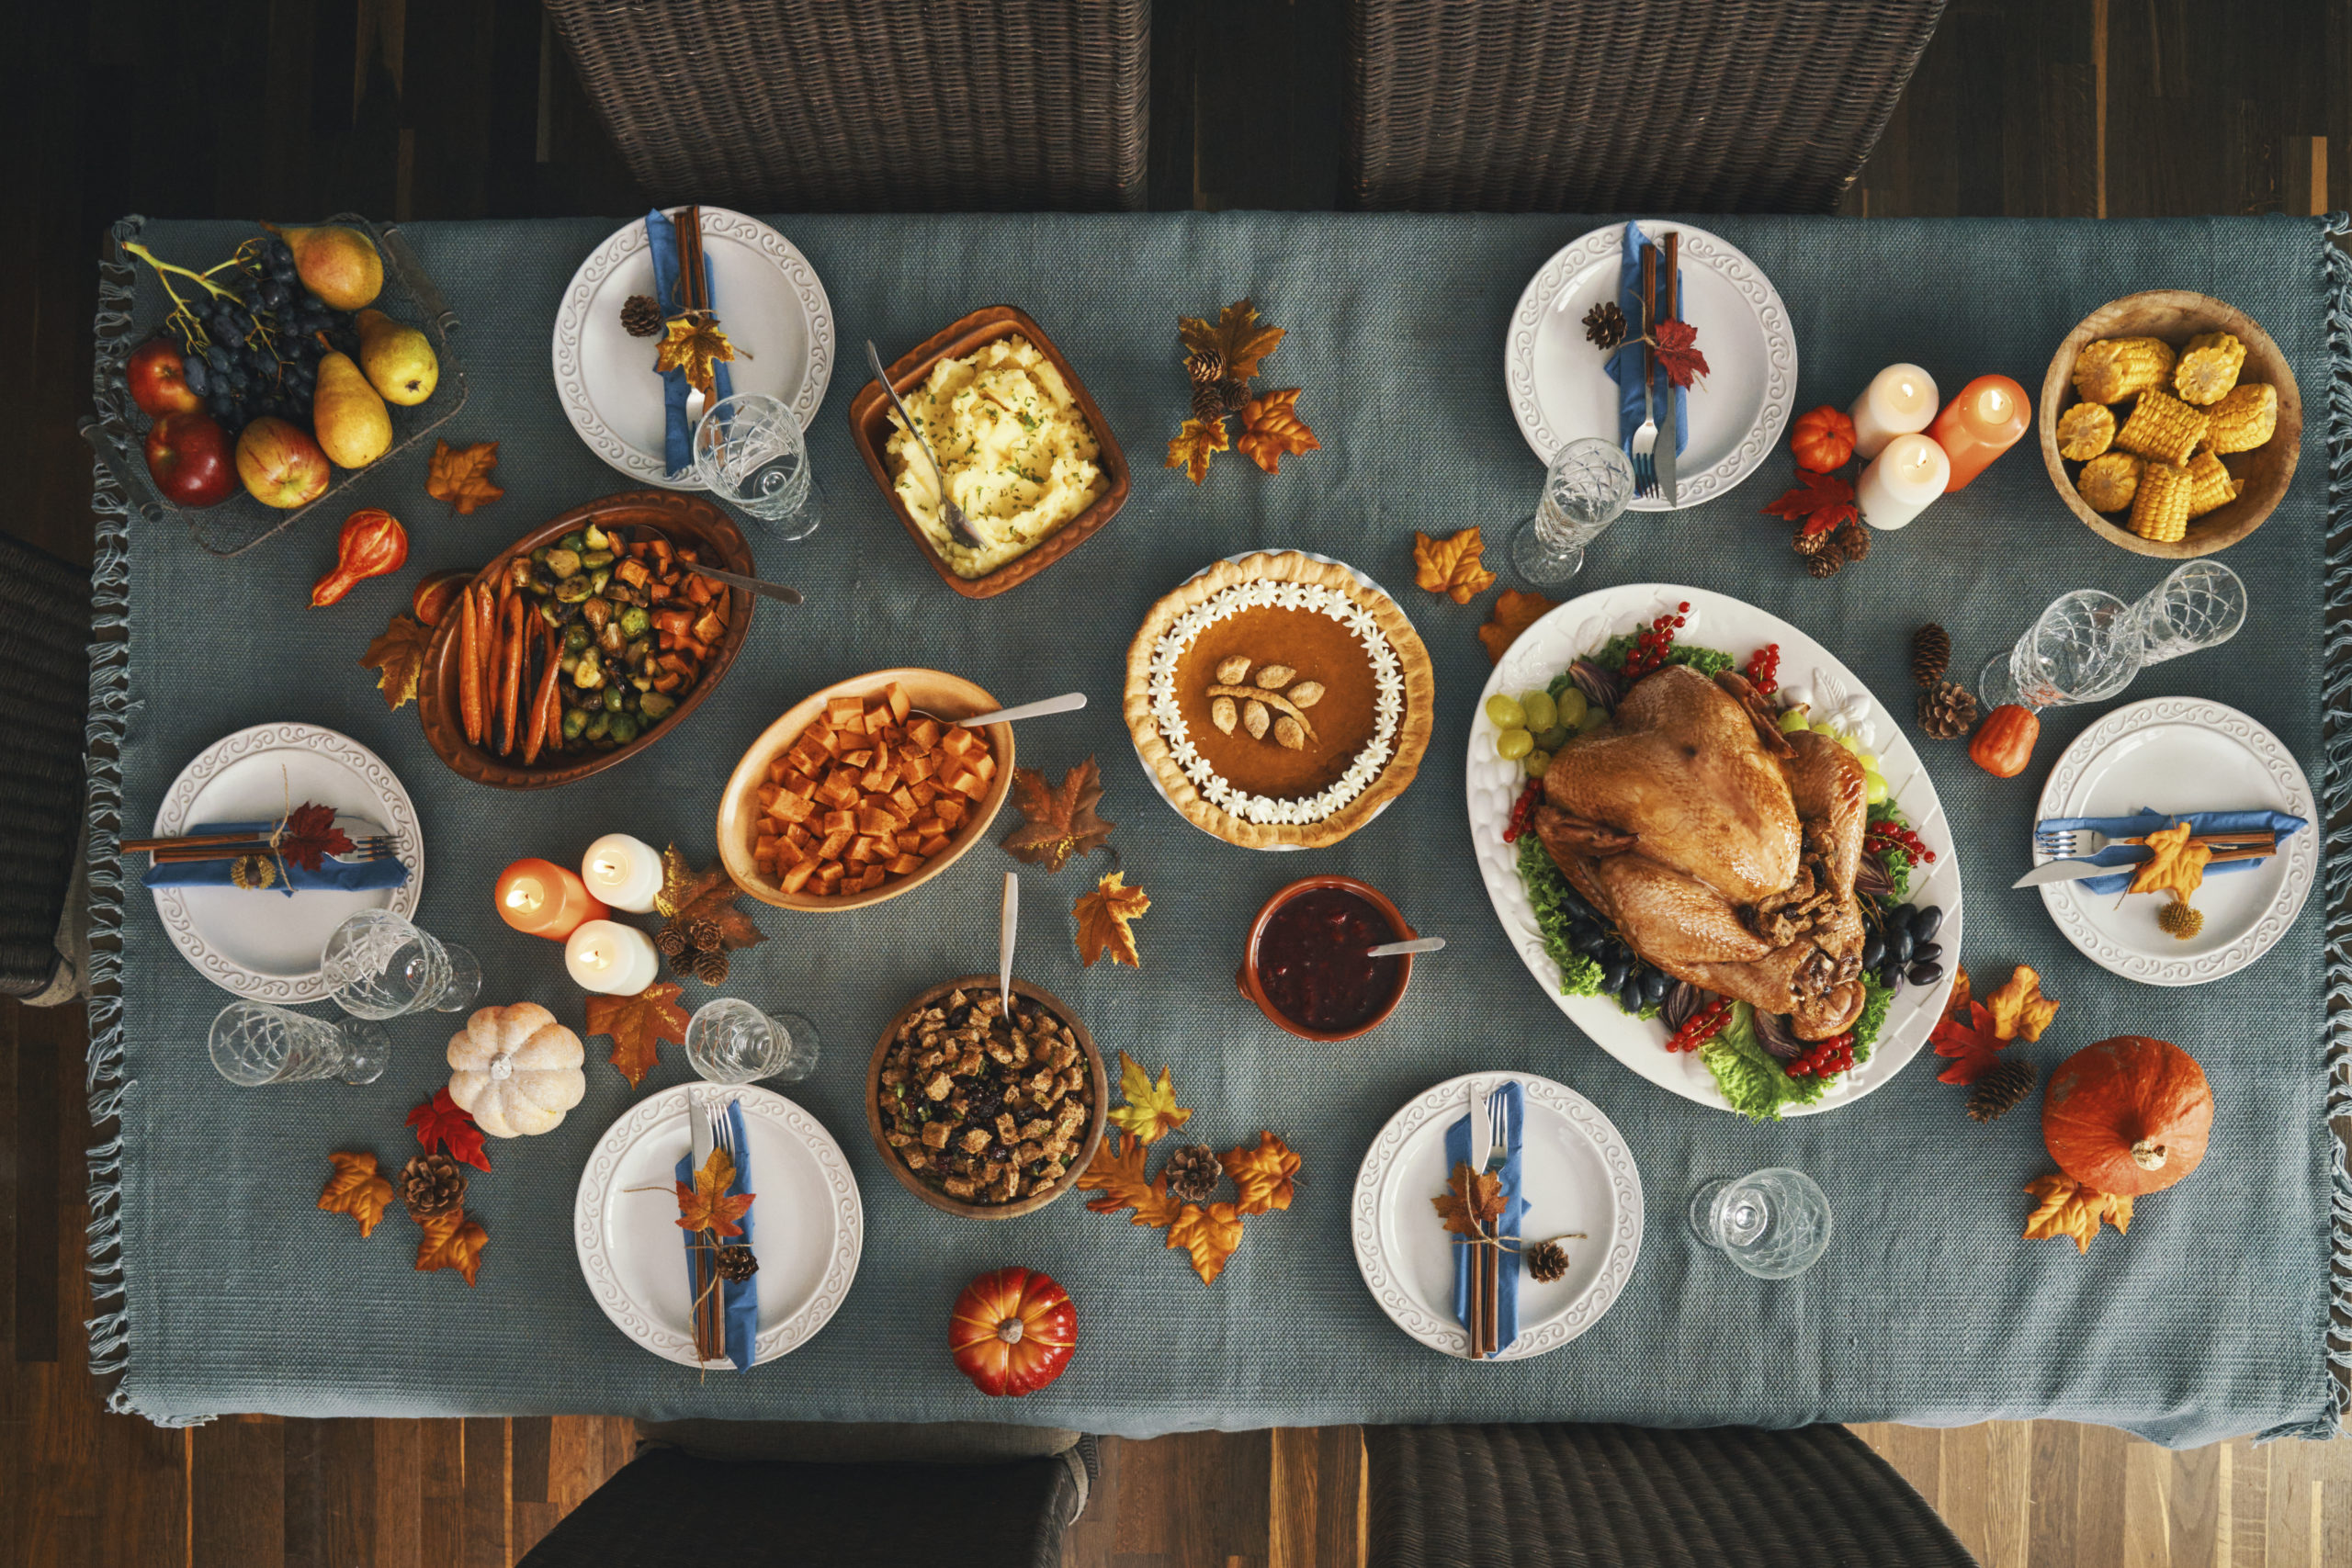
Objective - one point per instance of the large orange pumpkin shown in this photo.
(2128, 1115)
(1012, 1331)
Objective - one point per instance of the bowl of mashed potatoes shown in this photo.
(1026, 453)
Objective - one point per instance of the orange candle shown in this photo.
(1977, 426)
(541, 898)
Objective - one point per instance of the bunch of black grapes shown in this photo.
(259, 349)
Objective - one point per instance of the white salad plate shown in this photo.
(1559, 383)
(1738, 628)
(1576, 1174)
(2178, 755)
(264, 944)
(807, 1225)
(768, 301)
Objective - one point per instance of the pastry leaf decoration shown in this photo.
(1270, 429)
(1514, 612)
(451, 1241)
(2020, 1007)
(357, 1190)
(1451, 566)
(460, 475)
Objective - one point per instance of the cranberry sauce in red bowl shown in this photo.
(1309, 958)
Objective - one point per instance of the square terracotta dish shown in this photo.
(870, 427)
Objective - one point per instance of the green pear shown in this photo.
(340, 265)
(353, 426)
(398, 358)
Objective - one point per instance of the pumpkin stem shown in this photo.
(2148, 1156)
(1009, 1330)
(501, 1065)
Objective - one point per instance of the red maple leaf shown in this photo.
(1676, 344)
(1820, 501)
(439, 1120)
(1971, 1044)
(310, 836)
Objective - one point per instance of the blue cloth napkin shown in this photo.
(1457, 1152)
(331, 873)
(2148, 821)
(741, 1297)
(677, 448)
(1625, 366)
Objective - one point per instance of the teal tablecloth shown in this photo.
(235, 1295)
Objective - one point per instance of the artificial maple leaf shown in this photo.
(2067, 1208)
(639, 1024)
(1820, 501)
(1150, 1109)
(441, 1121)
(1239, 340)
(708, 1205)
(1271, 429)
(2020, 1007)
(1194, 442)
(1264, 1174)
(1210, 1235)
(1958, 1000)
(1676, 345)
(355, 1190)
(1473, 1203)
(1116, 1172)
(460, 475)
(688, 895)
(693, 344)
(1102, 922)
(1514, 612)
(398, 658)
(1057, 823)
(451, 1241)
(310, 836)
(2174, 864)
(1969, 1040)
(1451, 566)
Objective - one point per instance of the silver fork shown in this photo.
(722, 1138)
(1644, 445)
(2082, 844)
(1497, 1128)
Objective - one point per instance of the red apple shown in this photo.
(281, 466)
(159, 379)
(187, 456)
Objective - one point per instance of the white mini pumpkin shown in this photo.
(517, 1069)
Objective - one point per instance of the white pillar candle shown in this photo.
(623, 872)
(605, 955)
(1900, 401)
(1901, 480)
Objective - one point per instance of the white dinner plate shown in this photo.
(2178, 755)
(1737, 628)
(1558, 382)
(1576, 1174)
(769, 302)
(265, 945)
(807, 1225)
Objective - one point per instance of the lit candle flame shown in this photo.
(1995, 404)
(526, 895)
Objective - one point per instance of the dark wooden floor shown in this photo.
(460, 109)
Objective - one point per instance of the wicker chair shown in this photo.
(1622, 106)
(1633, 1498)
(872, 105)
(44, 646)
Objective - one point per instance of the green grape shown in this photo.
(1869, 760)
(1505, 712)
(1874, 788)
(1593, 719)
(1551, 740)
(1537, 761)
(1541, 712)
(1513, 744)
(1793, 721)
(1572, 705)
(1825, 728)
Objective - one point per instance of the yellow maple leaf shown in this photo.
(1271, 429)
(708, 1205)
(1264, 1174)
(1102, 922)
(2065, 1207)
(1514, 612)
(1150, 1109)
(1239, 340)
(2174, 864)
(693, 343)
(1190, 451)
(451, 1241)
(1210, 1235)
(355, 1190)
(2020, 1007)
(1451, 566)
(1116, 1172)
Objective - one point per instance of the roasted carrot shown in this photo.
(470, 667)
(510, 698)
(534, 730)
(485, 611)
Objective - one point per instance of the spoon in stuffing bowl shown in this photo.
(1398, 949)
(1012, 923)
(949, 513)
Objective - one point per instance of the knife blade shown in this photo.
(1669, 302)
(699, 1133)
(2071, 871)
(1481, 1141)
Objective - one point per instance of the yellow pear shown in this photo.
(340, 265)
(398, 358)
(353, 426)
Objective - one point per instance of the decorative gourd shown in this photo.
(2128, 1115)
(2004, 743)
(1823, 439)
(1012, 1332)
(517, 1069)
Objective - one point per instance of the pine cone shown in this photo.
(1999, 1092)
(671, 941)
(706, 935)
(1854, 542)
(1931, 654)
(1948, 712)
(1205, 366)
(1824, 563)
(1605, 324)
(1208, 400)
(641, 316)
(1547, 1261)
(1234, 394)
(709, 966)
(432, 1184)
(1193, 1173)
(737, 1264)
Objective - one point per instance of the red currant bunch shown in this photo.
(1764, 668)
(1826, 1060)
(1703, 1026)
(1522, 811)
(1653, 642)
(1884, 836)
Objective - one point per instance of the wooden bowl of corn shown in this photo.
(2170, 422)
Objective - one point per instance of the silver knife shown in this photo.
(699, 1130)
(1669, 279)
(1481, 1139)
(775, 590)
(2071, 871)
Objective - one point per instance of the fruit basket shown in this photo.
(132, 308)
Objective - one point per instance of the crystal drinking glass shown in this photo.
(2084, 649)
(380, 965)
(255, 1042)
(729, 1041)
(750, 452)
(2201, 605)
(1584, 490)
(1774, 1222)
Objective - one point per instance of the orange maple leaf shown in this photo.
(637, 1026)
(688, 895)
(1057, 822)
(1473, 1203)
(1102, 922)
(708, 1205)
(1514, 612)
(1239, 340)
(2174, 864)
(2067, 1208)
(1270, 428)
(1451, 566)
(1264, 1174)
(1116, 1172)
(355, 1190)
(398, 658)
(1968, 1038)
(460, 475)
(1210, 1235)
(2020, 1007)
(1194, 442)
(451, 1241)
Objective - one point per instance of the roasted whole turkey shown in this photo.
(1723, 851)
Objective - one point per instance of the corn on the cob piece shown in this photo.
(2245, 419)
(2162, 428)
(2212, 485)
(2209, 367)
(2160, 511)
(2085, 431)
(2115, 368)
(2109, 481)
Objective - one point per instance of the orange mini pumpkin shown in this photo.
(2004, 743)
(1012, 1332)
(1821, 439)
(2128, 1115)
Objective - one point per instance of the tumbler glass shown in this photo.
(1586, 489)
(729, 1041)
(378, 964)
(256, 1042)
(1773, 1222)
(2201, 605)
(2084, 649)
(751, 453)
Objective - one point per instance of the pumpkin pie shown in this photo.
(1279, 701)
